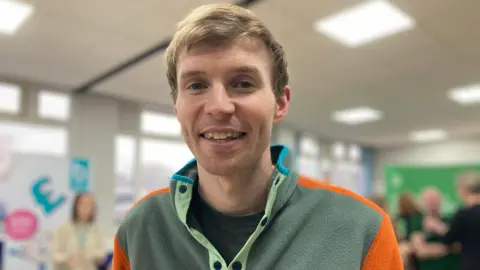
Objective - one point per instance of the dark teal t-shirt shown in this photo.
(228, 234)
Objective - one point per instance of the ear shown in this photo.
(281, 107)
(175, 110)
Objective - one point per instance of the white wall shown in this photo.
(452, 152)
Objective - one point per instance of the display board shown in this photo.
(36, 198)
(414, 179)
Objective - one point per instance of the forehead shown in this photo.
(431, 194)
(224, 56)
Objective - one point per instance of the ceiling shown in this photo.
(406, 76)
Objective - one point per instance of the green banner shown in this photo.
(401, 179)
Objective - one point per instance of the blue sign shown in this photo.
(44, 196)
(79, 175)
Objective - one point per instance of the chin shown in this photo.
(220, 167)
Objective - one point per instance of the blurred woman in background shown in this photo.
(408, 211)
(379, 200)
(408, 221)
(409, 215)
(79, 243)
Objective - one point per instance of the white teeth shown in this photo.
(221, 135)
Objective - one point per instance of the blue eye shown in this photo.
(197, 86)
(244, 84)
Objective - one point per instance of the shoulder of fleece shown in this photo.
(141, 210)
(324, 185)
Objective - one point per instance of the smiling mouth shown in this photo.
(223, 136)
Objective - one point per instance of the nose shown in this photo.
(219, 103)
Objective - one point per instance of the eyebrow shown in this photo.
(243, 69)
(246, 69)
(191, 73)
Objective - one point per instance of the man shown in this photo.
(237, 206)
(426, 241)
(465, 227)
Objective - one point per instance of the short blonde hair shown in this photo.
(219, 24)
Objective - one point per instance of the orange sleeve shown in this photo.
(120, 260)
(384, 253)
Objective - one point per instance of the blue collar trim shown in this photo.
(278, 152)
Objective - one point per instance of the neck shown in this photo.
(433, 213)
(242, 193)
(82, 222)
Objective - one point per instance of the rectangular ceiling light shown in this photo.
(365, 23)
(466, 95)
(12, 15)
(357, 116)
(428, 135)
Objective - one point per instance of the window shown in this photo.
(347, 170)
(125, 156)
(309, 158)
(349, 175)
(54, 106)
(354, 153)
(9, 98)
(160, 124)
(338, 151)
(34, 139)
(309, 147)
(159, 160)
(125, 184)
(29, 139)
(326, 169)
(310, 167)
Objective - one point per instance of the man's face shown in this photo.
(432, 200)
(226, 105)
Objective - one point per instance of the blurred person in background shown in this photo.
(409, 215)
(379, 200)
(426, 242)
(409, 218)
(407, 206)
(79, 244)
(465, 227)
